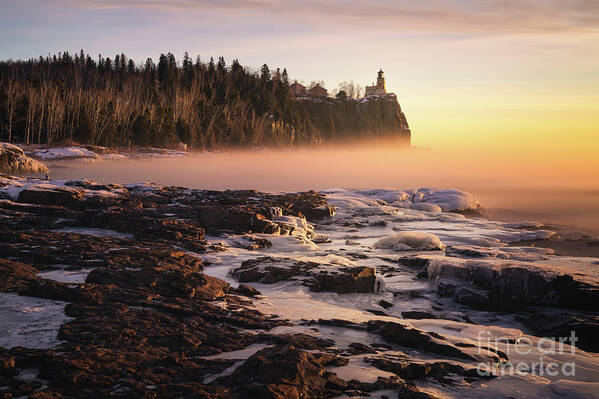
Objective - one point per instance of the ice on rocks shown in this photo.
(410, 241)
(30, 322)
(496, 283)
(143, 187)
(92, 231)
(447, 199)
(66, 276)
(64, 153)
(14, 160)
(295, 226)
(11, 187)
(359, 370)
(426, 207)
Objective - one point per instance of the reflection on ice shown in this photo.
(30, 322)
(66, 276)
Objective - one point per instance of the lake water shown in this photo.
(510, 187)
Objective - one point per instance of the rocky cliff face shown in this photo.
(374, 116)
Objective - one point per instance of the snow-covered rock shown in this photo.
(64, 153)
(447, 199)
(295, 226)
(14, 160)
(426, 207)
(41, 191)
(410, 241)
(386, 201)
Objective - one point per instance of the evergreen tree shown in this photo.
(107, 65)
(211, 68)
(187, 67)
(341, 95)
(236, 67)
(182, 130)
(141, 131)
(285, 77)
(265, 73)
(83, 131)
(117, 63)
(221, 66)
(131, 67)
(123, 63)
(162, 69)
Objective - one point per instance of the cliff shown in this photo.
(376, 116)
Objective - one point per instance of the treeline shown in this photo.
(116, 103)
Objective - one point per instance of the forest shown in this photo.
(115, 102)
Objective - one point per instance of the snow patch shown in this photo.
(64, 153)
(447, 199)
(410, 241)
(426, 207)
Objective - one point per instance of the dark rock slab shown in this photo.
(287, 372)
(413, 338)
(561, 326)
(50, 196)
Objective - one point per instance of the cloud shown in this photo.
(455, 16)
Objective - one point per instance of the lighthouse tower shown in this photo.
(379, 88)
(380, 81)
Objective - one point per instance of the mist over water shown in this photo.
(514, 186)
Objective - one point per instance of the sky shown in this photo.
(518, 77)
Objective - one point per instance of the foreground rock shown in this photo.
(287, 372)
(318, 276)
(119, 269)
(146, 314)
(143, 319)
(491, 284)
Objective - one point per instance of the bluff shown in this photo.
(375, 116)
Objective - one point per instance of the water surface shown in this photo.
(509, 186)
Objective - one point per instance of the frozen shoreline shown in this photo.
(379, 278)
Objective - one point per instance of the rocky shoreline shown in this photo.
(131, 272)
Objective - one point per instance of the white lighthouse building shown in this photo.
(379, 88)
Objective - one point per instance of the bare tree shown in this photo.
(316, 82)
(359, 90)
(350, 89)
(12, 91)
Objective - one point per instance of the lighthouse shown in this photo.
(380, 80)
(379, 88)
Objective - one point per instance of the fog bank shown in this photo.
(514, 185)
